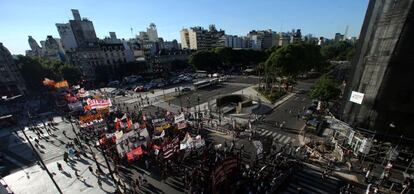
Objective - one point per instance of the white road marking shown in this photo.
(278, 136)
(287, 140)
(263, 132)
(282, 138)
(267, 133)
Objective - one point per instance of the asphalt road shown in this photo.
(207, 94)
(310, 181)
(244, 79)
(287, 112)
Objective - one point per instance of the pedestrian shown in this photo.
(77, 175)
(48, 131)
(137, 183)
(98, 173)
(100, 183)
(65, 157)
(64, 133)
(59, 166)
(90, 169)
(36, 140)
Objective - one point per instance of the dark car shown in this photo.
(185, 89)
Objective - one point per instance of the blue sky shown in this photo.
(20, 18)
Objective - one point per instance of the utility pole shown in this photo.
(39, 158)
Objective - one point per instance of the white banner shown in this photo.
(179, 118)
(161, 120)
(356, 97)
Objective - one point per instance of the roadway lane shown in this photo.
(310, 181)
(206, 94)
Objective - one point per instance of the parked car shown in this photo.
(185, 89)
(113, 83)
(139, 89)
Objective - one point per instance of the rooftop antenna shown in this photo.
(132, 32)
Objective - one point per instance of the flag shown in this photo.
(170, 148)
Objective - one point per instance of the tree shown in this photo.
(177, 64)
(325, 90)
(32, 72)
(338, 51)
(205, 60)
(70, 73)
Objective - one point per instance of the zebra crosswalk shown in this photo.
(279, 137)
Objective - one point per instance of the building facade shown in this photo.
(66, 36)
(234, 41)
(11, 81)
(198, 38)
(383, 70)
(82, 29)
(152, 33)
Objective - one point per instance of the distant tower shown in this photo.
(152, 33)
(36, 49)
(346, 32)
(76, 14)
(33, 44)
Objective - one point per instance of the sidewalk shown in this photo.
(35, 180)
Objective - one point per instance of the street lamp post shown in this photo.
(198, 114)
(179, 95)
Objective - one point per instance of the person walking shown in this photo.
(99, 183)
(91, 169)
(65, 157)
(59, 166)
(77, 175)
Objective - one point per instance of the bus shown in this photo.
(205, 83)
(201, 84)
(7, 121)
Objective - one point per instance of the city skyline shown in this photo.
(321, 18)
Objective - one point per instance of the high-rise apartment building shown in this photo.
(338, 37)
(66, 36)
(233, 41)
(198, 38)
(52, 49)
(263, 39)
(185, 39)
(36, 50)
(152, 33)
(383, 70)
(11, 82)
(82, 29)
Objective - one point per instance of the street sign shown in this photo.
(356, 97)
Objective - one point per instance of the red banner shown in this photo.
(135, 153)
(98, 104)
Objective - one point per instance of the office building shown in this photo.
(82, 29)
(11, 81)
(152, 33)
(66, 36)
(338, 37)
(198, 38)
(383, 70)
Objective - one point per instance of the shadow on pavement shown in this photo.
(66, 174)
